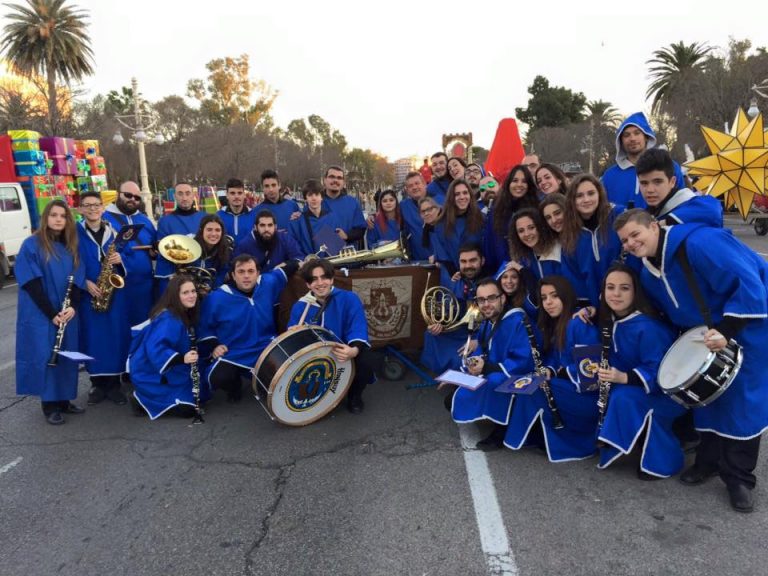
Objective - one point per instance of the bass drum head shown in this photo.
(683, 360)
(309, 385)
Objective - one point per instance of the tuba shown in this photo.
(107, 282)
(440, 306)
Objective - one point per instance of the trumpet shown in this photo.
(440, 306)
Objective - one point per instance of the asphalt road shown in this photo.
(388, 492)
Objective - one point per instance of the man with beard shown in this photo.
(237, 217)
(341, 312)
(441, 348)
(488, 188)
(347, 209)
(438, 188)
(275, 202)
(238, 321)
(139, 279)
(473, 173)
(270, 247)
(633, 137)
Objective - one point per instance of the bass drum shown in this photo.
(692, 375)
(299, 377)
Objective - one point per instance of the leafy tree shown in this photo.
(551, 105)
(48, 38)
(229, 96)
(671, 68)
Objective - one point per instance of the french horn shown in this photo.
(440, 306)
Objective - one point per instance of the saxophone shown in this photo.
(107, 282)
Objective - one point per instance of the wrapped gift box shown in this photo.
(98, 168)
(91, 184)
(86, 148)
(62, 152)
(30, 163)
(7, 168)
(64, 185)
(24, 140)
(83, 167)
(36, 188)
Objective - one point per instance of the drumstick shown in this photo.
(310, 299)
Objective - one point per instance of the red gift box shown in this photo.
(98, 168)
(62, 152)
(7, 168)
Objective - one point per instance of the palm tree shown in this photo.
(46, 37)
(671, 67)
(602, 113)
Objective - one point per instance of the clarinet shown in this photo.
(538, 368)
(604, 387)
(54, 359)
(194, 374)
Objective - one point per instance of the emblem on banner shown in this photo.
(387, 306)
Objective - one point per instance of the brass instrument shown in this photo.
(351, 255)
(181, 250)
(440, 306)
(107, 282)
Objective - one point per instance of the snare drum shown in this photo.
(694, 376)
(297, 378)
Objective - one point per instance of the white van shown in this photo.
(15, 225)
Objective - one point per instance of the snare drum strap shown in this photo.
(690, 279)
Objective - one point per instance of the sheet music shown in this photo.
(461, 379)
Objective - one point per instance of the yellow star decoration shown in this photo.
(737, 166)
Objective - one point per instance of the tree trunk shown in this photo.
(53, 115)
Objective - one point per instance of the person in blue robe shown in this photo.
(387, 222)
(669, 203)
(315, 220)
(104, 335)
(732, 281)
(270, 247)
(633, 137)
(140, 277)
(441, 180)
(518, 191)
(462, 223)
(237, 217)
(503, 351)
(282, 208)
(516, 283)
(238, 322)
(639, 414)
(577, 405)
(161, 356)
(216, 252)
(346, 208)
(441, 346)
(413, 223)
(590, 245)
(341, 312)
(48, 263)
(185, 219)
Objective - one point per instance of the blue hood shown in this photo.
(637, 119)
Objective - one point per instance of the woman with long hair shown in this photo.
(217, 248)
(590, 245)
(550, 179)
(576, 403)
(388, 222)
(162, 357)
(462, 223)
(518, 191)
(552, 208)
(456, 167)
(638, 413)
(50, 278)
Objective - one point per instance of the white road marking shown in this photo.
(490, 524)
(10, 465)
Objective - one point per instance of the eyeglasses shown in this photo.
(428, 210)
(321, 277)
(490, 299)
(490, 185)
(129, 196)
(473, 171)
(91, 206)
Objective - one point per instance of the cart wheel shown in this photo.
(761, 226)
(393, 369)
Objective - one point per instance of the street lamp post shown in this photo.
(141, 122)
